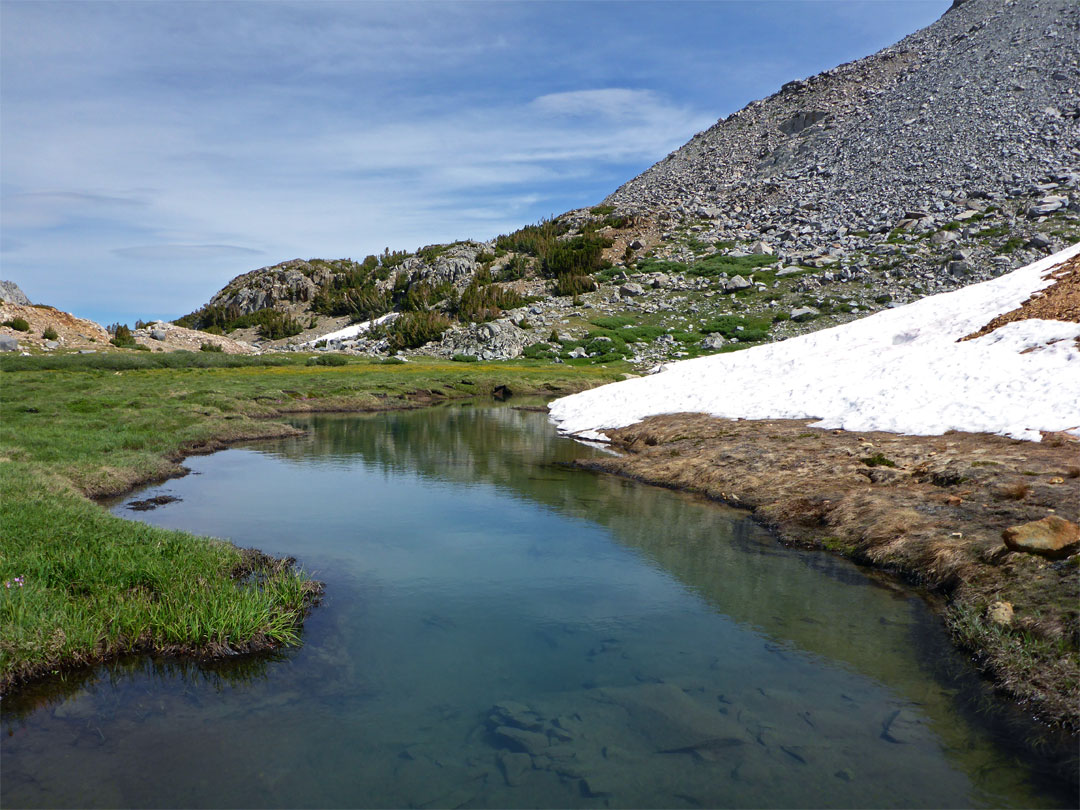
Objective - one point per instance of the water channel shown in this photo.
(501, 630)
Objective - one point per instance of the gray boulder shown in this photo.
(631, 290)
(8, 344)
(804, 313)
(734, 284)
(498, 340)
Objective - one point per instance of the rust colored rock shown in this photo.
(1052, 537)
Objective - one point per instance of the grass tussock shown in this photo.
(92, 586)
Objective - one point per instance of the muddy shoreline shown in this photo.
(929, 509)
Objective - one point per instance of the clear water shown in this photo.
(502, 631)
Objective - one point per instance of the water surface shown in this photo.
(502, 631)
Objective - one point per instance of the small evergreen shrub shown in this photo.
(18, 324)
(567, 284)
(327, 360)
(211, 347)
(414, 329)
(121, 336)
(538, 351)
(464, 358)
(276, 325)
(737, 327)
(49, 333)
(878, 460)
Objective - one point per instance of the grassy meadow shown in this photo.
(78, 584)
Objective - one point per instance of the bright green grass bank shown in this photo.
(94, 585)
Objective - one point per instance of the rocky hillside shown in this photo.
(958, 139)
(948, 158)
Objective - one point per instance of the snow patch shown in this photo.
(901, 370)
(352, 330)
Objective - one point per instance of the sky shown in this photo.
(151, 151)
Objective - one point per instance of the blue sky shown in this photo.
(152, 150)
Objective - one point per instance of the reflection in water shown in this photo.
(501, 630)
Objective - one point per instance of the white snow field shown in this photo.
(900, 370)
(352, 330)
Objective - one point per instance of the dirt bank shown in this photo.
(929, 508)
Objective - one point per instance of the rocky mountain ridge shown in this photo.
(948, 158)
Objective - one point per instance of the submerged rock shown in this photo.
(671, 720)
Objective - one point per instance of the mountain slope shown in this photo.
(981, 104)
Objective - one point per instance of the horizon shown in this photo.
(150, 155)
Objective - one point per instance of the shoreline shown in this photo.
(931, 513)
(83, 489)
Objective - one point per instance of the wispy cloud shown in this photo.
(184, 252)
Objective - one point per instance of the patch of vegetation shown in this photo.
(713, 266)
(121, 336)
(568, 260)
(211, 347)
(274, 325)
(618, 223)
(662, 266)
(1012, 245)
(602, 210)
(571, 284)
(413, 329)
(49, 333)
(737, 327)
(327, 360)
(464, 358)
(514, 269)
(116, 361)
(878, 460)
(614, 321)
(540, 351)
(18, 324)
(479, 303)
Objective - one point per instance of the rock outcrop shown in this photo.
(10, 292)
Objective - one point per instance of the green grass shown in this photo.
(738, 327)
(96, 585)
(78, 426)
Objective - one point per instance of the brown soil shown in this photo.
(1058, 302)
(936, 518)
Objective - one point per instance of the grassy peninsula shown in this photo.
(78, 585)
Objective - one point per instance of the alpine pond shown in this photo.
(501, 630)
